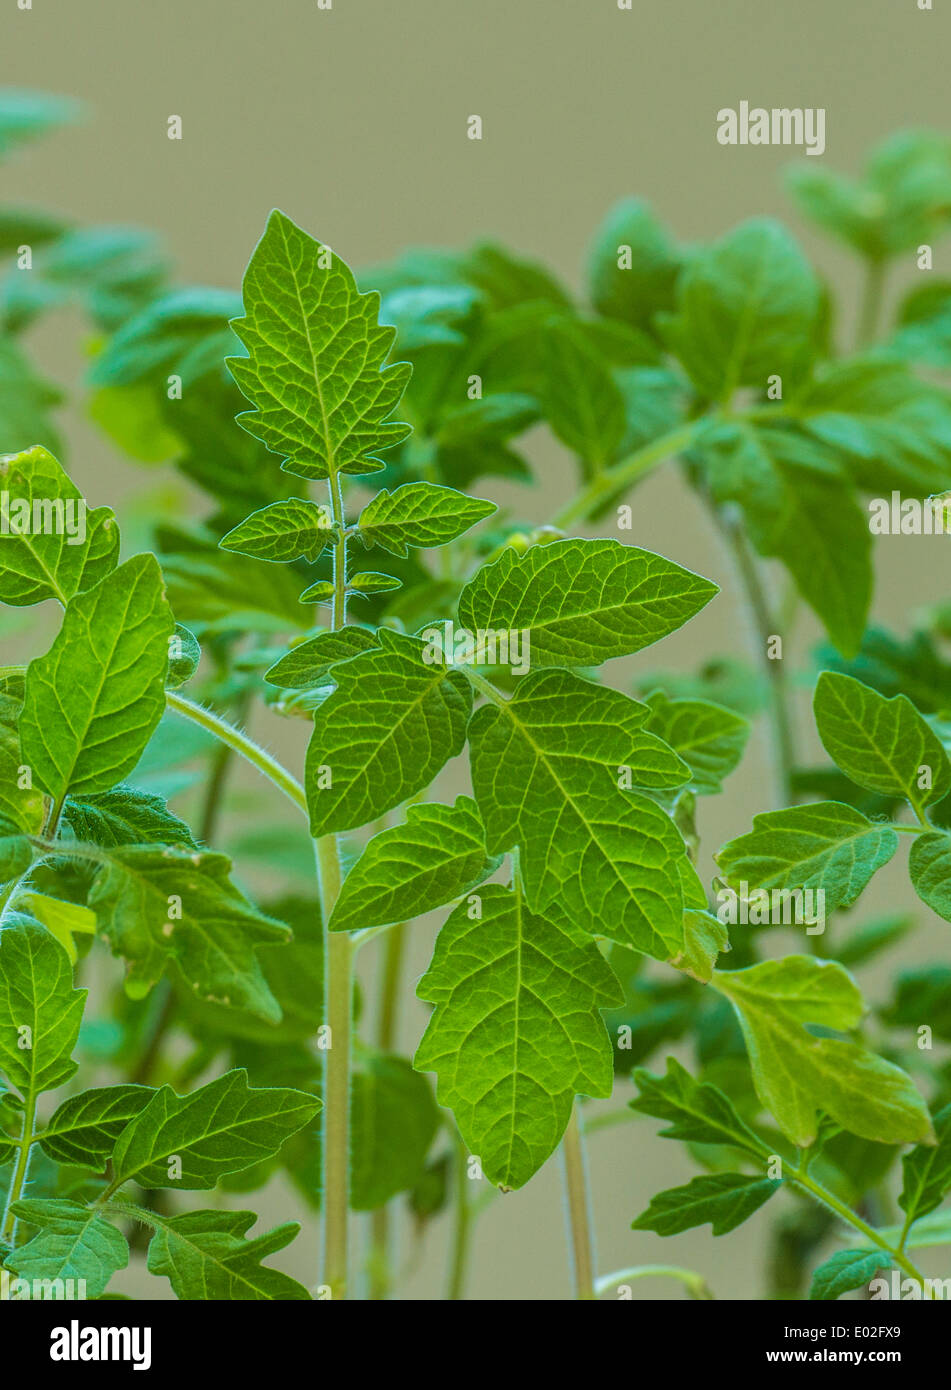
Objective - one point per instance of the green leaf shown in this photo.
(282, 532)
(21, 808)
(83, 1130)
(582, 403)
(709, 737)
(705, 937)
(125, 816)
(747, 309)
(699, 1113)
(888, 428)
(882, 745)
(516, 1033)
(394, 1120)
(927, 1171)
(40, 1011)
(421, 515)
(799, 509)
(73, 1242)
(48, 561)
(24, 115)
(437, 855)
(218, 591)
(634, 287)
(384, 733)
(930, 868)
(159, 903)
(826, 846)
(846, 1270)
(189, 1142)
(204, 1255)
(547, 770)
(181, 332)
(582, 602)
(924, 326)
(309, 664)
(184, 657)
(294, 972)
(314, 370)
(369, 582)
(902, 200)
(60, 918)
(797, 1074)
(726, 1200)
(94, 700)
(26, 402)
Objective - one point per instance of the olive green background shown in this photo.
(353, 121)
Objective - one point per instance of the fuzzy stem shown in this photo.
(242, 744)
(338, 955)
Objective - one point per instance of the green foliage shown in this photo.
(321, 401)
(234, 1020)
(515, 1034)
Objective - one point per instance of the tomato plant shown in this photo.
(471, 751)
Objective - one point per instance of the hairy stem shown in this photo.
(241, 743)
(828, 1199)
(578, 1208)
(338, 955)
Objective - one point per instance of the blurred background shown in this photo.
(353, 120)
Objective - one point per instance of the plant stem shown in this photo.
(695, 1283)
(764, 623)
(242, 744)
(600, 488)
(25, 1144)
(578, 1208)
(828, 1199)
(393, 950)
(338, 955)
(336, 1114)
(871, 305)
(462, 1225)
